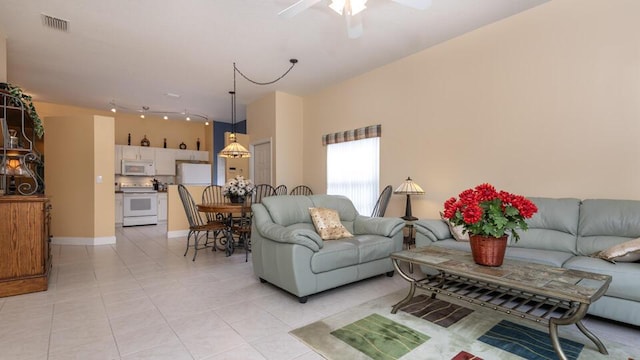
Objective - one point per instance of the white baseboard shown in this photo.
(177, 233)
(103, 240)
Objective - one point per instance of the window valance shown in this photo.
(352, 135)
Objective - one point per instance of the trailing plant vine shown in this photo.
(26, 102)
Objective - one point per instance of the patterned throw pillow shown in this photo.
(457, 231)
(327, 224)
(626, 252)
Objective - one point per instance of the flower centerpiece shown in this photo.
(489, 215)
(238, 188)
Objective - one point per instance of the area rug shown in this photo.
(423, 339)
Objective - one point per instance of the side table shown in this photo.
(409, 239)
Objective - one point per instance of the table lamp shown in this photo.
(409, 188)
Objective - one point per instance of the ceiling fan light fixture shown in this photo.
(351, 7)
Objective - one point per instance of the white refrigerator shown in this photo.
(194, 174)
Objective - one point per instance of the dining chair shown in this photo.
(383, 201)
(213, 194)
(281, 189)
(197, 227)
(241, 227)
(301, 190)
(262, 191)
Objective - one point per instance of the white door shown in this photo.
(262, 163)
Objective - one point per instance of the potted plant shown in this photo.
(489, 216)
(26, 102)
(238, 188)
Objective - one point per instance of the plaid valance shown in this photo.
(352, 135)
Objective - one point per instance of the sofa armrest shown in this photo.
(278, 233)
(433, 229)
(377, 226)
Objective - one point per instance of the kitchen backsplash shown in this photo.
(122, 179)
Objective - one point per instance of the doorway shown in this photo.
(261, 161)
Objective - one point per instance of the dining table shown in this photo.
(227, 210)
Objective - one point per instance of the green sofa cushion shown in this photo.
(288, 210)
(604, 223)
(334, 255)
(553, 227)
(624, 282)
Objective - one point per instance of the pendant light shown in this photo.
(235, 149)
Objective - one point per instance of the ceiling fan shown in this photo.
(350, 9)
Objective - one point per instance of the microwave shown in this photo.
(138, 167)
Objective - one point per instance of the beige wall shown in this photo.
(77, 150)
(156, 129)
(177, 223)
(103, 195)
(544, 103)
(288, 161)
(278, 116)
(3, 58)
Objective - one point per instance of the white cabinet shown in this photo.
(165, 161)
(119, 209)
(162, 206)
(192, 155)
(202, 155)
(138, 153)
(117, 164)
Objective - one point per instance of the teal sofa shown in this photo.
(564, 233)
(287, 251)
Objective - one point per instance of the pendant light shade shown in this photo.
(234, 149)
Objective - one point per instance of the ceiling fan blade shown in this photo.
(297, 8)
(416, 4)
(354, 25)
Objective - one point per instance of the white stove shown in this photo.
(140, 202)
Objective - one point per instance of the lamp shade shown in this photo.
(234, 150)
(409, 187)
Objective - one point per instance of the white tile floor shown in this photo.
(141, 299)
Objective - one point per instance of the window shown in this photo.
(353, 170)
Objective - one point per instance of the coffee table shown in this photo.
(536, 292)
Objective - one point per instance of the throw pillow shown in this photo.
(327, 224)
(457, 231)
(628, 251)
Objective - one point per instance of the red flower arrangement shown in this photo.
(487, 212)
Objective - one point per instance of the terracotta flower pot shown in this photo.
(488, 250)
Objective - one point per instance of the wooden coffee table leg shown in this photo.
(575, 318)
(412, 288)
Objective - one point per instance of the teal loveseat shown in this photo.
(287, 251)
(564, 233)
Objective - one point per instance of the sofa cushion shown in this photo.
(288, 210)
(327, 224)
(372, 247)
(341, 204)
(624, 275)
(334, 255)
(604, 223)
(538, 256)
(553, 227)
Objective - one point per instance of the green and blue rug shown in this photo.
(434, 329)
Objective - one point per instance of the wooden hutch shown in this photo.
(25, 213)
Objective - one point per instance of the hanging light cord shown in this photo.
(292, 61)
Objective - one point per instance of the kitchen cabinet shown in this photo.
(192, 155)
(117, 164)
(162, 206)
(138, 153)
(25, 256)
(165, 161)
(119, 209)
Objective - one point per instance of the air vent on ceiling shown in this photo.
(55, 23)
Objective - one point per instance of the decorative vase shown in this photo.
(236, 199)
(488, 250)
